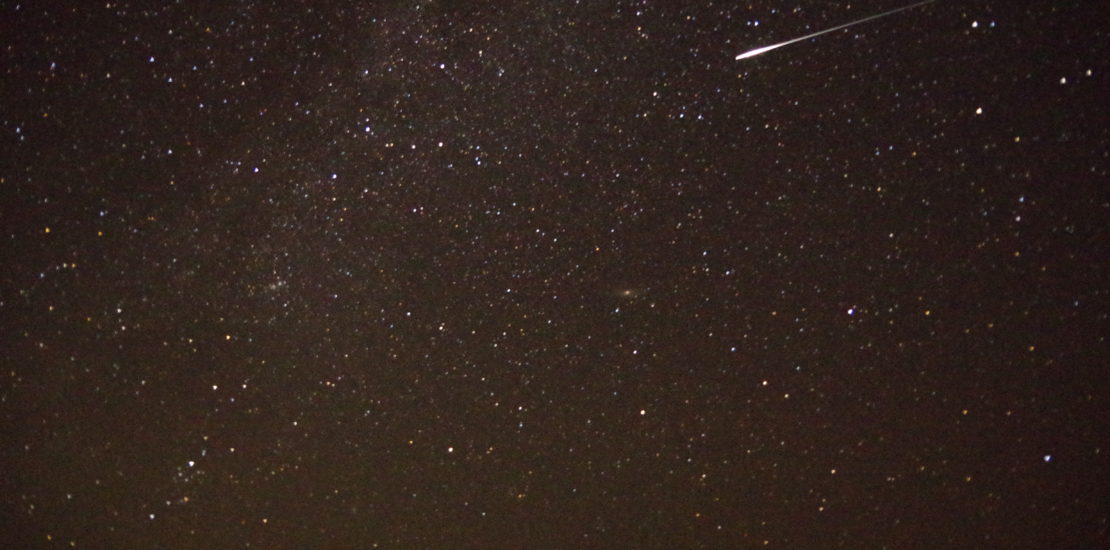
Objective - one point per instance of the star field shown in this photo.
(439, 274)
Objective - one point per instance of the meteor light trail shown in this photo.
(766, 49)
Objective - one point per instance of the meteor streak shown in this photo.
(766, 49)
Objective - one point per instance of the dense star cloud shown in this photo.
(437, 274)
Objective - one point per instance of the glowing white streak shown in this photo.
(766, 49)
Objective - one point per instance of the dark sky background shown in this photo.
(447, 274)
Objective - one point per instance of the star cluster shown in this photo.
(439, 274)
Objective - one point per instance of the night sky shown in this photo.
(451, 274)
